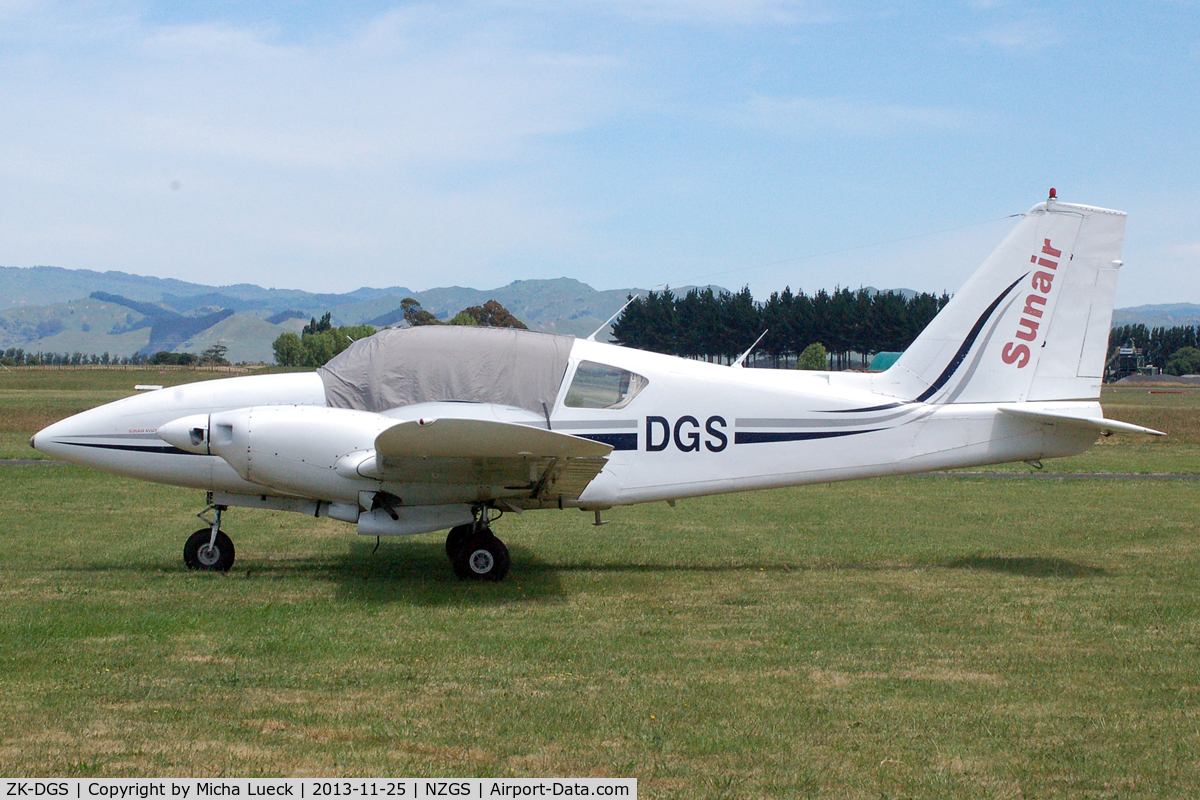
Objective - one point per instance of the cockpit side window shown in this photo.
(600, 386)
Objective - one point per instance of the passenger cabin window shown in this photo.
(599, 386)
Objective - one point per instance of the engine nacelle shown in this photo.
(296, 449)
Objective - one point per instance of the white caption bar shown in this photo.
(314, 789)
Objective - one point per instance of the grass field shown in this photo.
(942, 636)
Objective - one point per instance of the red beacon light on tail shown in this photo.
(1053, 193)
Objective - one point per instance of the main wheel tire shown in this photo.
(198, 555)
(482, 557)
(455, 539)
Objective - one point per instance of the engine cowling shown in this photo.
(292, 448)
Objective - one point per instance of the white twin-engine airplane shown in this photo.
(422, 429)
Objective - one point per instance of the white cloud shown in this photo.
(412, 141)
(1185, 250)
(381, 97)
(690, 12)
(1026, 35)
(813, 117)
(1013, 28)
(1161, 250)
(743, 12)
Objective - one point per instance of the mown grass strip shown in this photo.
(907, 637)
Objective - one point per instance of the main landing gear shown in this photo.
(473, 549)
(209, 548)
(475, 552)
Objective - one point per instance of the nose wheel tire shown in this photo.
(198, 554)
(481, 557)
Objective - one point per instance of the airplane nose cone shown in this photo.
(187, 433)
(59, 440)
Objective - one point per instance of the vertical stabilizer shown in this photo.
(1031, 324)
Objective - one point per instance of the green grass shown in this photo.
(908, 637)
(1176, 412)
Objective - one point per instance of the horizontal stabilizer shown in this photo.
(1100, 424)
(474, 438)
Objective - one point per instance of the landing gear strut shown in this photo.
(209, 548)
(475, 552)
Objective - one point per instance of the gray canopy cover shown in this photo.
(401, 366)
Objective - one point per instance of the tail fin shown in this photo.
(1031, 324)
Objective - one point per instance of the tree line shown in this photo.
(19, 357)
(320, 340)
(719, 326)
(1164, 349)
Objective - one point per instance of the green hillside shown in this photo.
(85, 326)
(35, 286)
(52, 310)
(248, 339)
(563, 305)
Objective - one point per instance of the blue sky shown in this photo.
(326, 146)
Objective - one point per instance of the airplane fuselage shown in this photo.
(694, 428)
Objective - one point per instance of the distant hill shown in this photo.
(59, 310)
(907, 294)
(34, 286)
(1166, 315)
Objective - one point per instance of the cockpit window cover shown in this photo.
(600, 386)
(402, 366)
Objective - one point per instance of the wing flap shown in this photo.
(511, 472)
(567, 478)
(1100, 424)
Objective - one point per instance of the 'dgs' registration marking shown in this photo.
(685, 434)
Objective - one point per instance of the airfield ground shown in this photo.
(942, 636)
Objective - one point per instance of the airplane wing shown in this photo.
(474, 438)
(1100, 424)
(468, 452)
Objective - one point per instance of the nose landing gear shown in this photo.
(209, 548)
(475, 551)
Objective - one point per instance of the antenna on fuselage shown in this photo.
(737, 362)
(592, 338)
